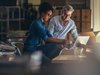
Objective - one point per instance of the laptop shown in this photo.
(80, 39)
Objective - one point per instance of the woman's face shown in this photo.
(46, 16)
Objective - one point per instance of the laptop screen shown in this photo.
(80, 39)
(83, 39)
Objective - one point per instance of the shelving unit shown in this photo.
(11, 18)
(82, 18)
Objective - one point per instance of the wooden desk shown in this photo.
(65, 58)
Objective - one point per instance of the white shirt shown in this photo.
(58, 30)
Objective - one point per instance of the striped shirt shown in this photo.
(58, 30)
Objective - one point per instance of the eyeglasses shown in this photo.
(68, 15)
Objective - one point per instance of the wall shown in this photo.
(34, 2)
(95, 12)
(95, 17)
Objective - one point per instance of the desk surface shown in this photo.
(89, 66)
(65, 58)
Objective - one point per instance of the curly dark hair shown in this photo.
(44, 7)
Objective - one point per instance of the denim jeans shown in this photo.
(49, 51)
